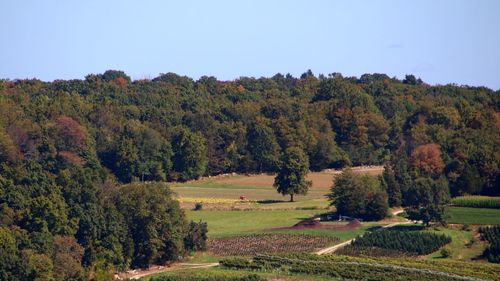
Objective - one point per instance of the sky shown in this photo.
(445, 41)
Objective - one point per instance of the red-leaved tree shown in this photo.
(427, 157)
(70, 133)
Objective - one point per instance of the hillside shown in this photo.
(83, 162)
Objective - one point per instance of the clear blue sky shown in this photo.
(440, 41)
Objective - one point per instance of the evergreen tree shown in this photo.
(390, 184)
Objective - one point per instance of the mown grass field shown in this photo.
(224, 192)
(232, 223)
(462, 215)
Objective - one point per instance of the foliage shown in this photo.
(476, 202)
(198, 206)
(196, 239)
(492, 235)
(445, 252)
(421, 243)
(389, 183)
(66, 146)
(291, 177)
(427, 158)
(190, 159)
(359, 196)
(156, 223)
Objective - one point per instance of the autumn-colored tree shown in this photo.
(71, 134)
(120, 82)
(427, 157)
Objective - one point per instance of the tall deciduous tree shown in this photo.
(190, 159)
(358, 196)
(291, 178)
(155, 222)
(264, 148)
(427, 157)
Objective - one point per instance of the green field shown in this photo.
(231, 223)
(462, 215)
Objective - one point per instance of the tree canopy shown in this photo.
(67, 147)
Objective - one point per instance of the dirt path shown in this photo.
(332, 249)
(135, 275)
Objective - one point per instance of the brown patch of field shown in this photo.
(320, 180)
(316, 224)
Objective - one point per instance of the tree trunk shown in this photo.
(291, 197)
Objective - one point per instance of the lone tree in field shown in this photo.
(291, 178)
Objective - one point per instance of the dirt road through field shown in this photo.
(332, 249)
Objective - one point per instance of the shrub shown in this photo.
(445, 252)
(198, 206)
(492, 235)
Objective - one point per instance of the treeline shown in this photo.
(66, 146)
(75, 231)
(172, 127)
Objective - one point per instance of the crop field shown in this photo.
(220, 273)
(462, 215)
(250, 245)
(355, 268)
(477, 202)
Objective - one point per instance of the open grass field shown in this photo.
(223, 192)
(232, 223)
(462, 215)
(236, 223)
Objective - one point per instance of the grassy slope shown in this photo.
(460, 246)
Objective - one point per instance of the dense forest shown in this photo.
(73, 152)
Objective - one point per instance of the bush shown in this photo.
(198, 206)
(445, 253)
(492, 235)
